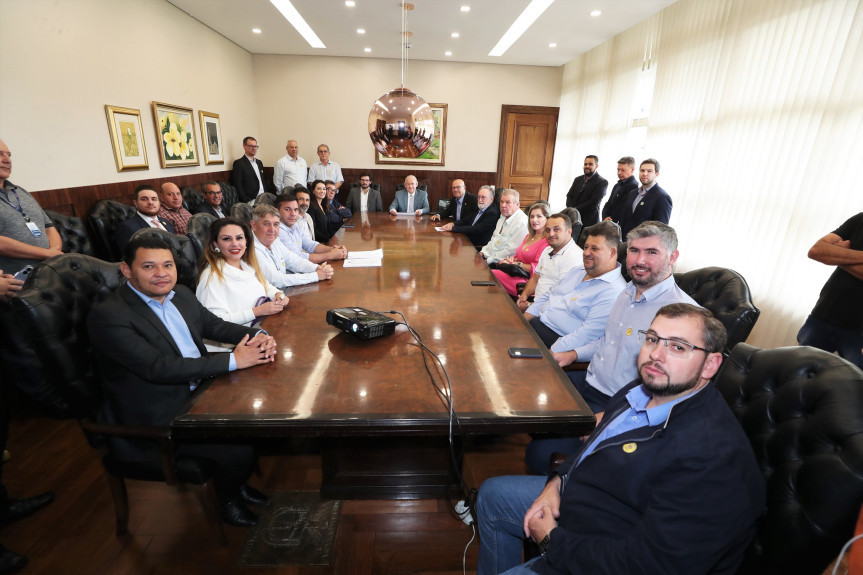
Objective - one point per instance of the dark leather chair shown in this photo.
(242, 212)
(373, 186)
(193, 199)
(401, 186)
(725, 293)
(185, 256)
(104, 218)
(229, 195)
(197, 230)
(802, 409)
(52, 313)
(266, 198)
(73, 232)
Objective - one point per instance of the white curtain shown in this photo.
(756, 117)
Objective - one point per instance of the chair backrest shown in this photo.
(229, 195)
(73, 232)
(193, 199)
(185, 257)
(373, 186)
(197, 229)
(802, 409)
(401, 186)
(242, 211)
(442, 205)
(725, 293)
(104, 218)
(266, 199)
(52, 314)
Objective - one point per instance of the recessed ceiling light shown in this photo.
(291, 14)
(454, 35)
(447, 53)
(361, 31)
(367, 49)
(256, 30)
(596, 13)
(525, 20)
(350, 3)
(553, 45)
(465, 8)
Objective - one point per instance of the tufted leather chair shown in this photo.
(103, 218)
(802, 409)
(185, 257)
(725, 293)
(266, 198)
(192, 199)
(373, 186)
(242, 212)
(229, 195)
(52, 313)
(73, 233)
(197, 230)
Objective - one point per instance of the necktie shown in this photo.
(157, 224)
(410, 203)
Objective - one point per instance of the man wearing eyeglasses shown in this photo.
(325, 169)
(212, 200)
(461, 205)
(666, 483)
(248, 172)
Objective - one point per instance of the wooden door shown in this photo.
(527, 135)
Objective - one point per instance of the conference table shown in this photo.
(384, 417)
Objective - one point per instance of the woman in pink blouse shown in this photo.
(530, 249)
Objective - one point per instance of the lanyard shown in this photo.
(19, 209)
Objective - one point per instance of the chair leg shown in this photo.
(210, 504)
(121, 502)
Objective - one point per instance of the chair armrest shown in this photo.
(577, 366)
(159, 435)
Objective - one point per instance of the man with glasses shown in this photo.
(212, 200)
(248, 172)
(324, 169)
(291, 169)
(480, 226)
(365, 198)
(666, 483)
(338, 213)
(461, 205)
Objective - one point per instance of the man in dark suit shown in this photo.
(372, 196)
(148, 338)
(649, 202)
(461, 206)
(626, 183)
(212, 200)
(248, 172)
(147, 205)
(479, 227)
(587, 191)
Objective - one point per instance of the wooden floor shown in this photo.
(168, 533)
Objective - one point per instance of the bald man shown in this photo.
(172, 207)
(410, 200)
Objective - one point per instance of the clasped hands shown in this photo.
(256, 350)
(542, 515)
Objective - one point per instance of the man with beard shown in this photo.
(650, 256)
(365, 198)
(480, 226)
(587, 191)
(561, 255)
(292, 233)
(667, 483)
(647, 203)
(304, 200)
(626, 184)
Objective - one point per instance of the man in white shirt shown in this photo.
(294, 238)
(291, 169)
(325, 169)
(561, 255)
(304, 200)
(509, 231)
(365, 198)
(280, 266)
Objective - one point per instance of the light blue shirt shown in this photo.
(577, 307)
(296, 240)
(173, 321)
(614, 356)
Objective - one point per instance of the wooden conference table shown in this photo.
(374, 397)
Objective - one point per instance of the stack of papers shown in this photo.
(371, 259)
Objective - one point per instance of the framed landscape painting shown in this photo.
(127, 138)
(175, 132)
(211, 137)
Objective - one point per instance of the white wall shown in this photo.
(321, 99)
(63, 61)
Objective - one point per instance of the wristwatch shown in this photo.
(543, 545)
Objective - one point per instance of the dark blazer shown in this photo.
(144, 377)
(323, 228)
(656, 205)
(337, 215)
(479, 233)
(613, 208)
(354, 201)
(125, 229)
(585, 197)
(206, 208)
(243, 178)
(469, 208)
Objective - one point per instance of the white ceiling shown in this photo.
(566, 22)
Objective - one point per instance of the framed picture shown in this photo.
(211, 137)
(175, 131)
(435, 154)
(127, 138)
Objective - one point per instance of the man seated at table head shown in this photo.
(666, 483)
(293, 235)
(478, 227)
(365, 198)
(509, 230)
(172, 208)
(461, 205)
(147, 207)
(410, 200)
(148, 339)
(575, 311)
(280, 266)
(212, 200)
(561, 255)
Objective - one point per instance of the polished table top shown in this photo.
(325, 382)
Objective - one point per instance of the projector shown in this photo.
(360, 322)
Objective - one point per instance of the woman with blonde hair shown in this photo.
(527, 254)
(230, 283)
